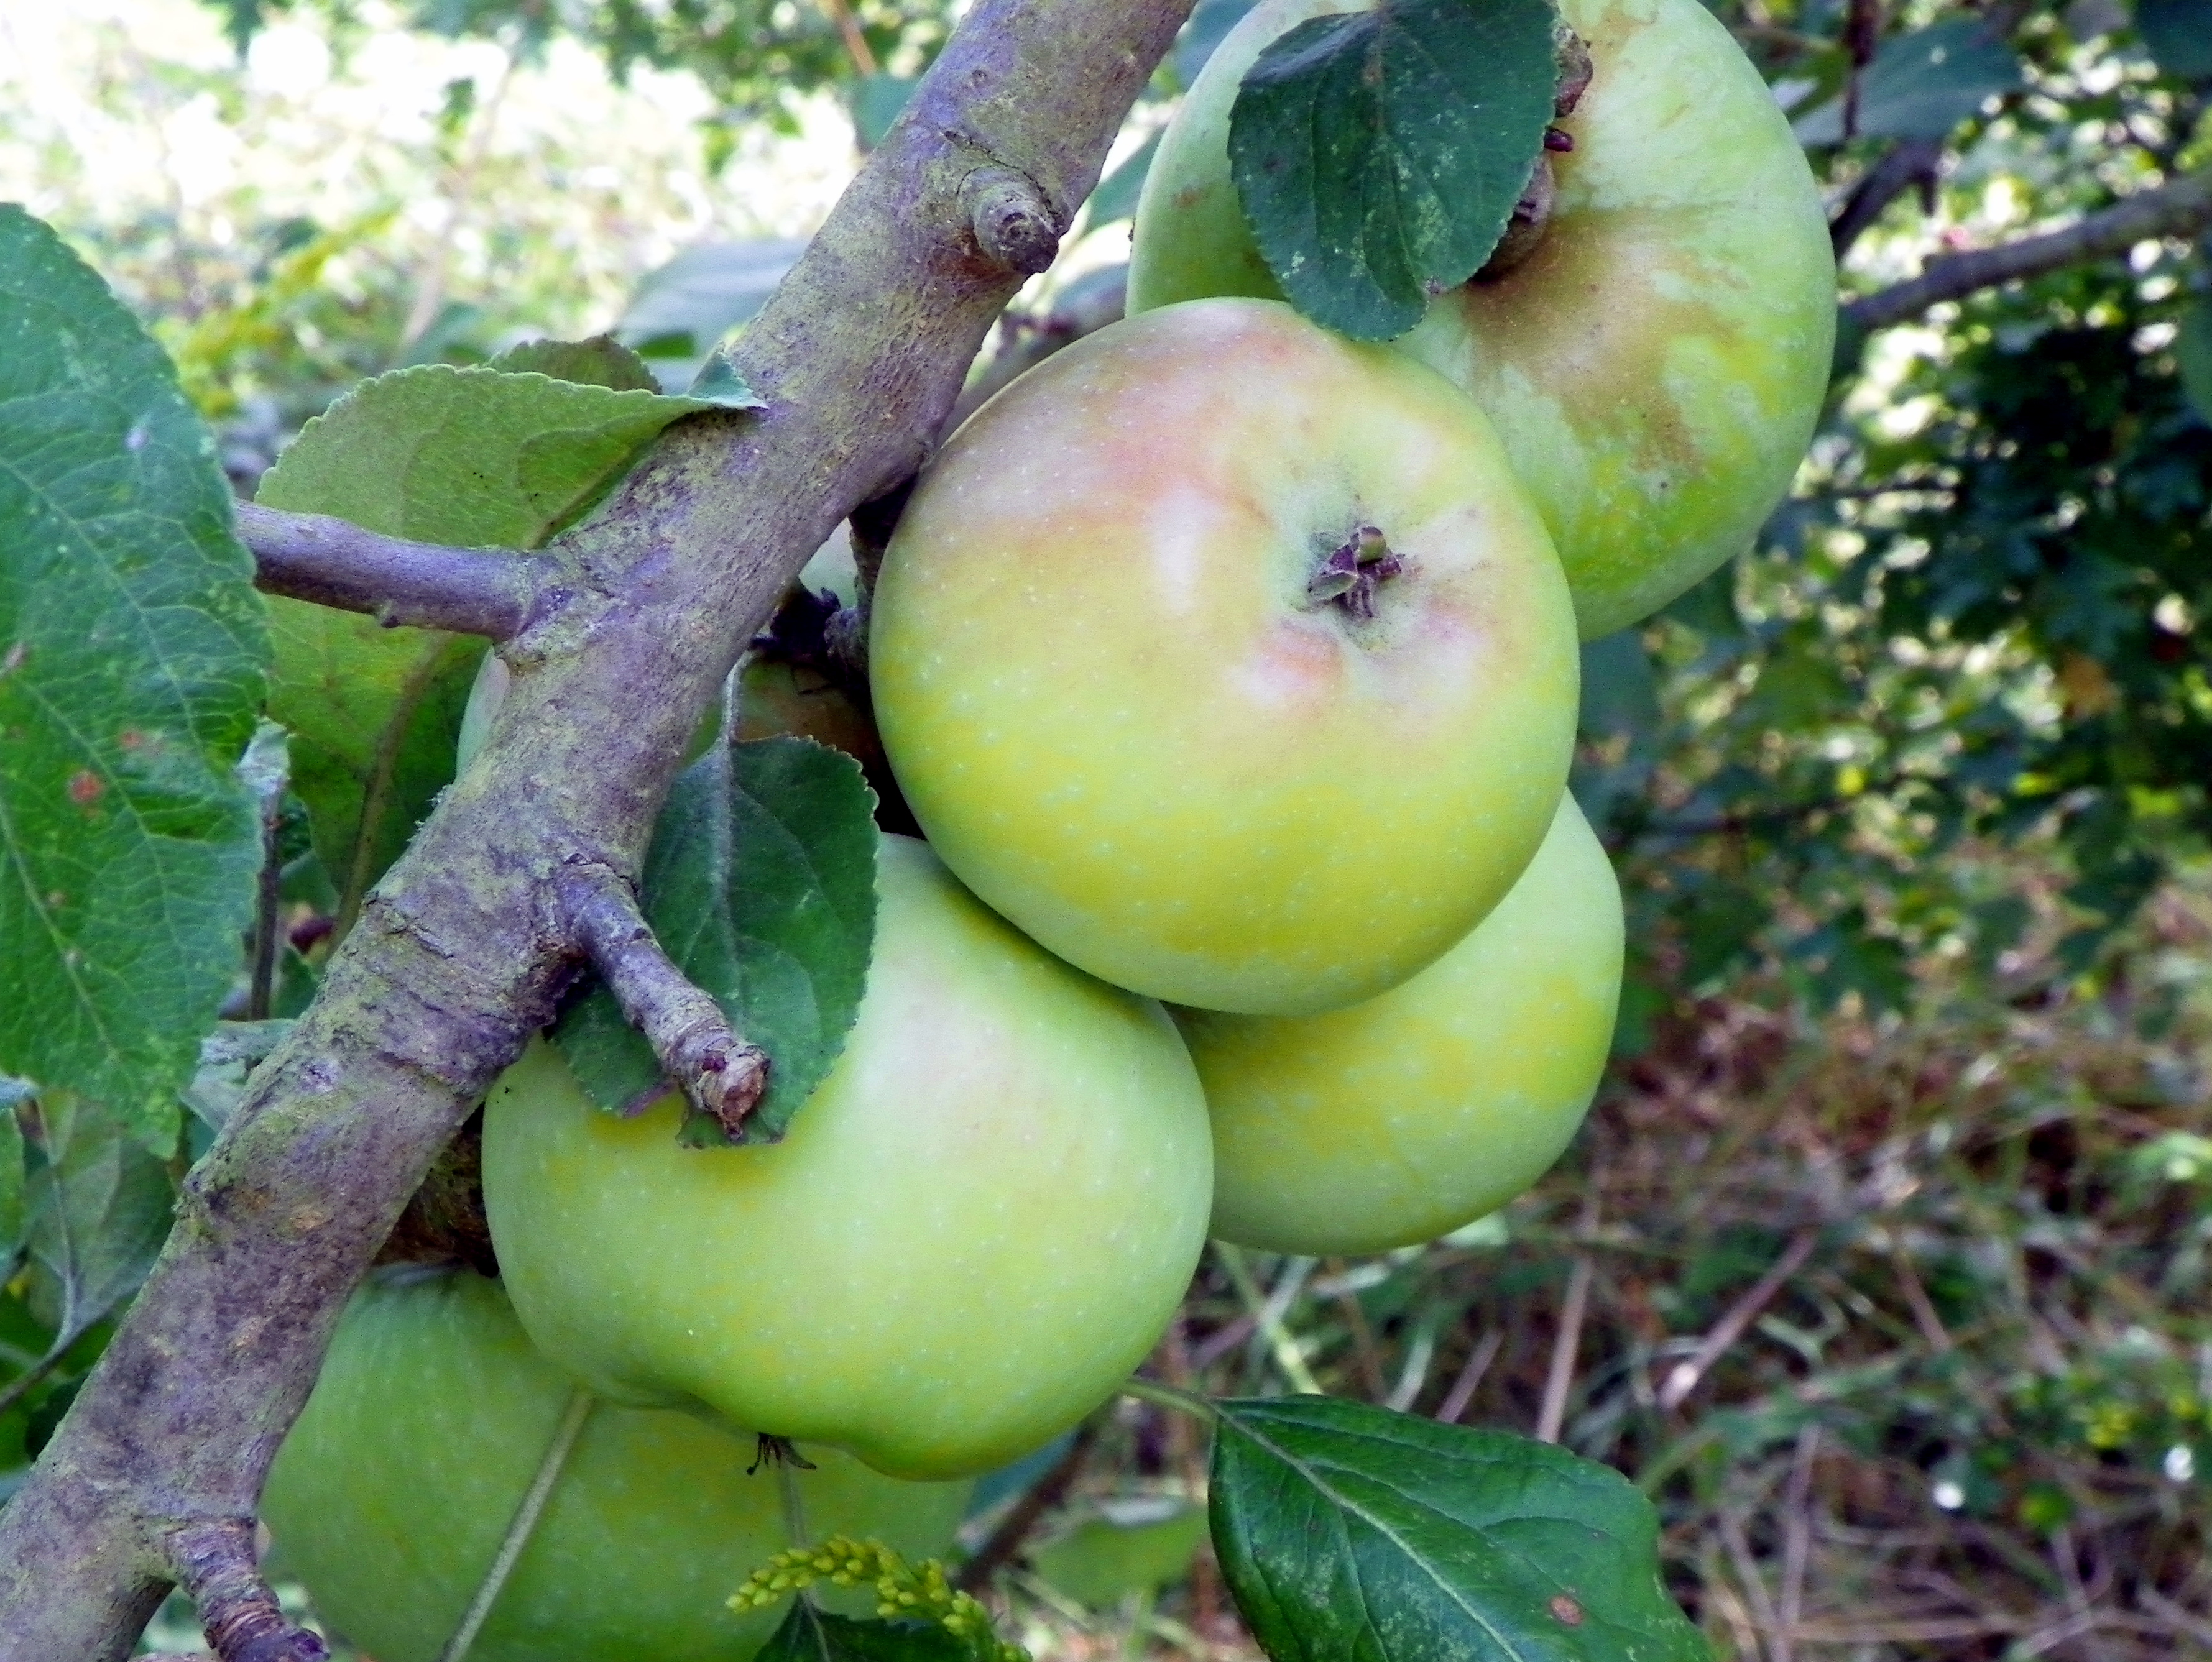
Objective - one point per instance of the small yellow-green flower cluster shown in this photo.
(903, 1592)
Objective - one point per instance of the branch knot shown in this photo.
(1014, 221)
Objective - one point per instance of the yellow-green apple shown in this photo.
(1657, 364)
(1401, 1118)
(432, 1416)
(977, 1225)
(1226, 657)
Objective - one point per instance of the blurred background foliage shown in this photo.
(1883, 1265)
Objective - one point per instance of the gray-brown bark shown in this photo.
(463, 948)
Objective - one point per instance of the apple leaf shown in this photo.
(1349, 1532)
(761, 885)
(810, 1634)
(2179, 35)
(97, 1210)
(602, 361)
(1922, 84)
(480, 457)
(1137, 1547)
(1378, 154)
(131, 654)
(12, 1216)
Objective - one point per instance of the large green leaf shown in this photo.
(1128, 1548)
(810, 1634)
(1922, 84)
(99, 1209)
(2179, 35)
(12, 1213)
(131, 654)
(473, 458)
(1351, 1534)
(1378, 154)
(761, 885)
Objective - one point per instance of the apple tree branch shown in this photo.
(464, 945)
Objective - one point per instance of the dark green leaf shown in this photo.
(813, 1634)
(2179, 35)
(132, 655)
(601, 360)
(1620, 694)
(1351, 1534)
(1379, 155)
(1115, 198)
(761, 884)
(1922, 84)
(98, 1208)
(1132, 1548)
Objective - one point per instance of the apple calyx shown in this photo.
(1532, 214)
(773, 1451)
(1353, 571)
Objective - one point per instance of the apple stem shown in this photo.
(1353, 571)
(523, 1526)
(1168, 1396)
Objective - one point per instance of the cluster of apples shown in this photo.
(1231, 671)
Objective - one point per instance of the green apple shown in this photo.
(431, 1417)
(1401, 1118)
(976, 1227)
(1226, 657)
(1656, 365)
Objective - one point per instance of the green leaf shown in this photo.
(682, 308)
(1131, 1549)
(2179, 34)
(132, 655)
(2192, 356)
(1378, 154)
(99, 1207)
(602, 361)
(810, 1634)
(13, 1216)
(1351, 1534)
(761, 885)
(1115, 198)
(227, 1056)
(1922, 84)
(877, 101)
(473, 458)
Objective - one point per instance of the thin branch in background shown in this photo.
(267, 915)
(2180, 208)
(1367, 1358)
(1267, 1310)
(1909, 163)
(1684, 1376)
(848, 31)
(1470, 1375)
(999, 1547)
(215, 1566)
(717, 1072)
(494, 592)
(1764, 1616)
(1561, 1378)
(1796, 1540)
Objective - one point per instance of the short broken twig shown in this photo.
(718, 1073)
(215, 1566)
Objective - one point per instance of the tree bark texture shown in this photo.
(463, 948)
